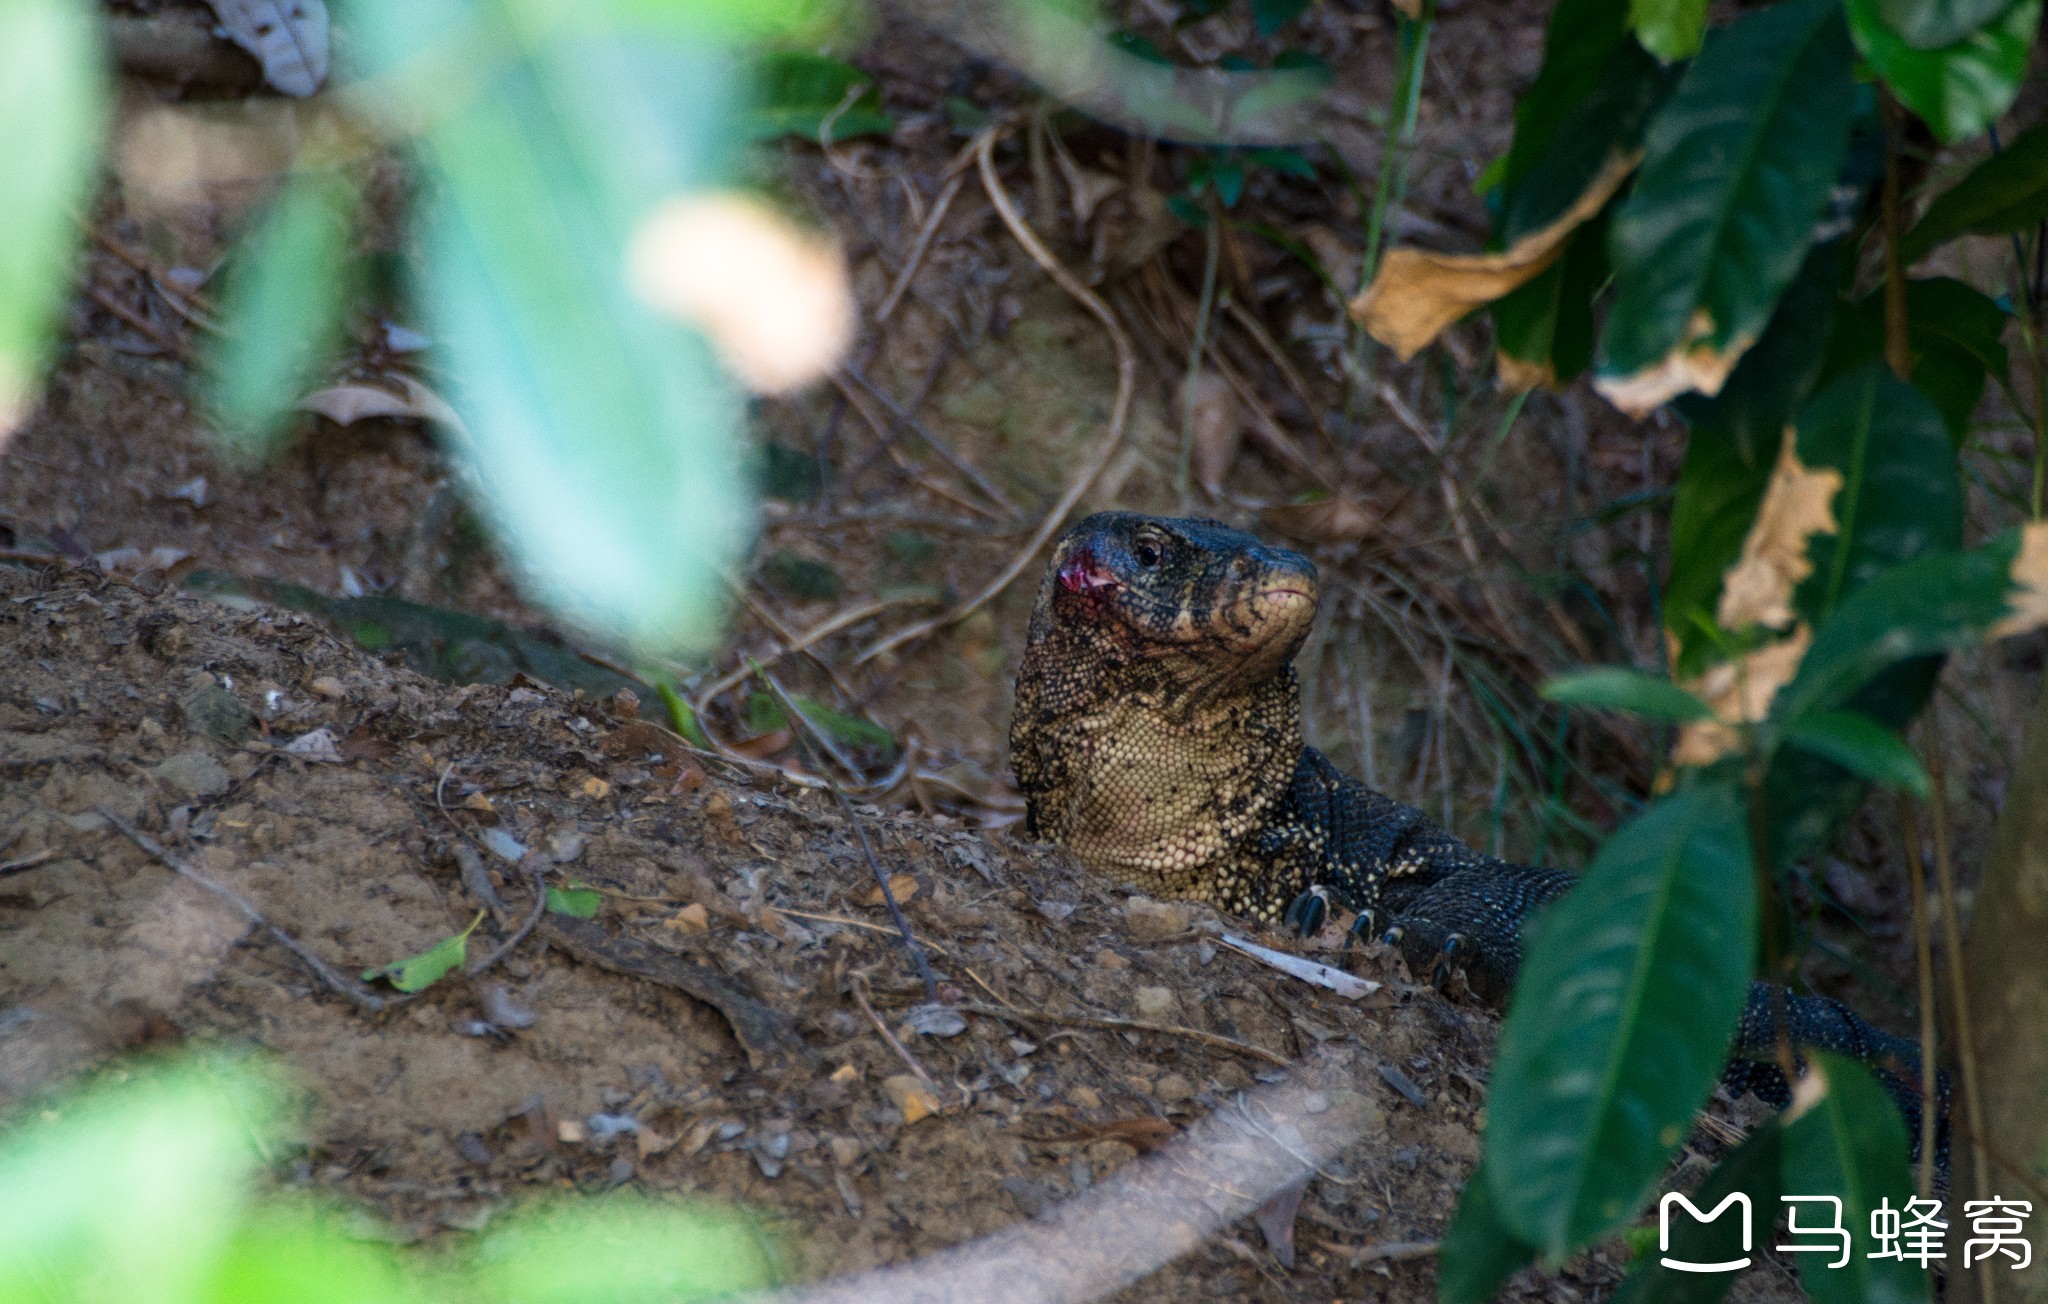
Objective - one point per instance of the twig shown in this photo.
(27, 862)
(321, 969)
(176, 302)
(808, 732)
(859, 987)
(1923, 954)
(156, 334)
(842, 920)
(956, 176)
(1119, 415)
(1388, 1251)
(908, 420)
(1203, 309)
(538, 878)
(817, 633)
(1018, 1015)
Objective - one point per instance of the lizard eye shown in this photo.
(1147, 553)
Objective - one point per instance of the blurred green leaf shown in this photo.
(800, 577)
(1932, 24)
(418, 972)
(681, 717)
(1564, 156)
(308, 1255)
(1479, 1253)
(1849, 1144)
(1621, 1019)
(795, 92)
(1548, 323)
(1861, 745)
(1737, 168)
(1616, 688)
(1579, 42)
(287, 295)
(1958, 89)
(1751, 1168)
(764, 714)
(1269, 16)
(1954, 335)
(2006, 192)
(575, 900)
(1287, 162)
(787, 473)
(53, 97)
(1670, 29)
(624, 1248)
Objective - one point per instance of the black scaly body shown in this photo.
(1157, 733)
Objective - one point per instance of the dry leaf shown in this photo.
(774, 300)
(1331, 520)
(762, 746)
(1798, 504)
(911, 1096)
(904, 886)
(1417, 294)
(345, 405)
(1215, 425)
(651, 1142)
(1341, 263)
(1692, 365)
(1085, 186)
(315, 746)
(594, 787)
(287, 37)
(845, 1073)
(1739, 692)
(2030, 574)
(1410, 9)
(1517, 376)
(692, 918)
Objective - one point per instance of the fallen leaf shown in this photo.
(316, 746)
(479, 801)
(774, 300)
(1740, 692)
(764, 745)
(1275, 1218)
(571, 1132)
(345, 405)
(934, 1021)
(692, 918)
(1142, 1134)
(1518, 376)
(1798, 504)
(911, 1097)
(1341, 263)
(1086, 187)
(577, 900)
(650, 1142)
(2030, 575)
(1215, 426)
(594, 787)
(902, 886)
(845, 1073)
(418, 972)
(287, 37)
(327, 686)
(1416, 294)
(1691, 365)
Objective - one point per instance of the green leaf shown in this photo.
(576, 900)
(1548, 323)
(1954, 335)
(2007, 192)
(1931, 24)
(1860, 745)
(1751, 1168)
(1553, 172)
(1287, 162)
(1670, 29)
(53, 101)
(1901, 495)
(1621, 1018)
(1851, 1144)
(1269, 16)
(800, 577)
(1581, 39)
(1478, 1253)
(1615, 688)
(681, 717)
(1737, 168)
(795, 93)
(1959, 89)
(418, 972)
(286, 297)
(764, 714)
(294, 1251)
(624, 1248)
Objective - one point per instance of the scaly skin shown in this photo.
(1157, 734)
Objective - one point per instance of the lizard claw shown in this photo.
(1449, 959)
(1308, 912)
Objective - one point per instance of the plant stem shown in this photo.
(1898, 350)
(1923, 947)
(1392, 186)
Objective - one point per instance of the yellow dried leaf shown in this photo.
(1517, 375)
(2030, 573)
(1692, 365)
(594, 787)
(1416, 294)
(1798, 504)
(692, 918)
(1410, 9)
(1740, 692)
(845, 1073)
(902, 886)
(1215, 426)
(910, 1096)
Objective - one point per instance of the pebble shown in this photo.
(192, 774)
(1156, 1003)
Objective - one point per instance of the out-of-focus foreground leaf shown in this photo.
(52, 103)
(1960, 88)
(2004, 193)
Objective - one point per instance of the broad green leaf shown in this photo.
(1737, 168)
(1954, 334)
(418, 972)
(1751, 1168)
(1931, 24)
(1670, 29)
(1959, 89)
(1849, 1144)
(624, 1248)
(1550, 176)
(576, 900)
(53, 101)
(1860, 745)
(1621, 1018)
(1548, 323)
(286, 298)
(1581, 39)
(297, 1252)
(1937, 603)
(2006, 192)
(1732, 449)
(1616, 688)
(1478, 1253)
(1901, 495)
(795, 93)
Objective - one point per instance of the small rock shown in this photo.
(1086, 1097)
(192, 774)
(1173, 1087)
(566, 845)
(470, 1145)
(912, 1098)
(1205, 951)
(1156, 1003)
(846, 1151)
(1108, 959)
(316, 746)
(935, 1021)
(1109, 1154)
(327, 686)
(1033, 1200)
(1151, 920)
(214, 712)
(570, 1132)
(1056, 911)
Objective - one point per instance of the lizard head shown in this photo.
(1151, 589)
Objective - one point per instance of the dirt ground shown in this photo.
(171, 711)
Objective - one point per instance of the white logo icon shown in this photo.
(1664, 1231)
